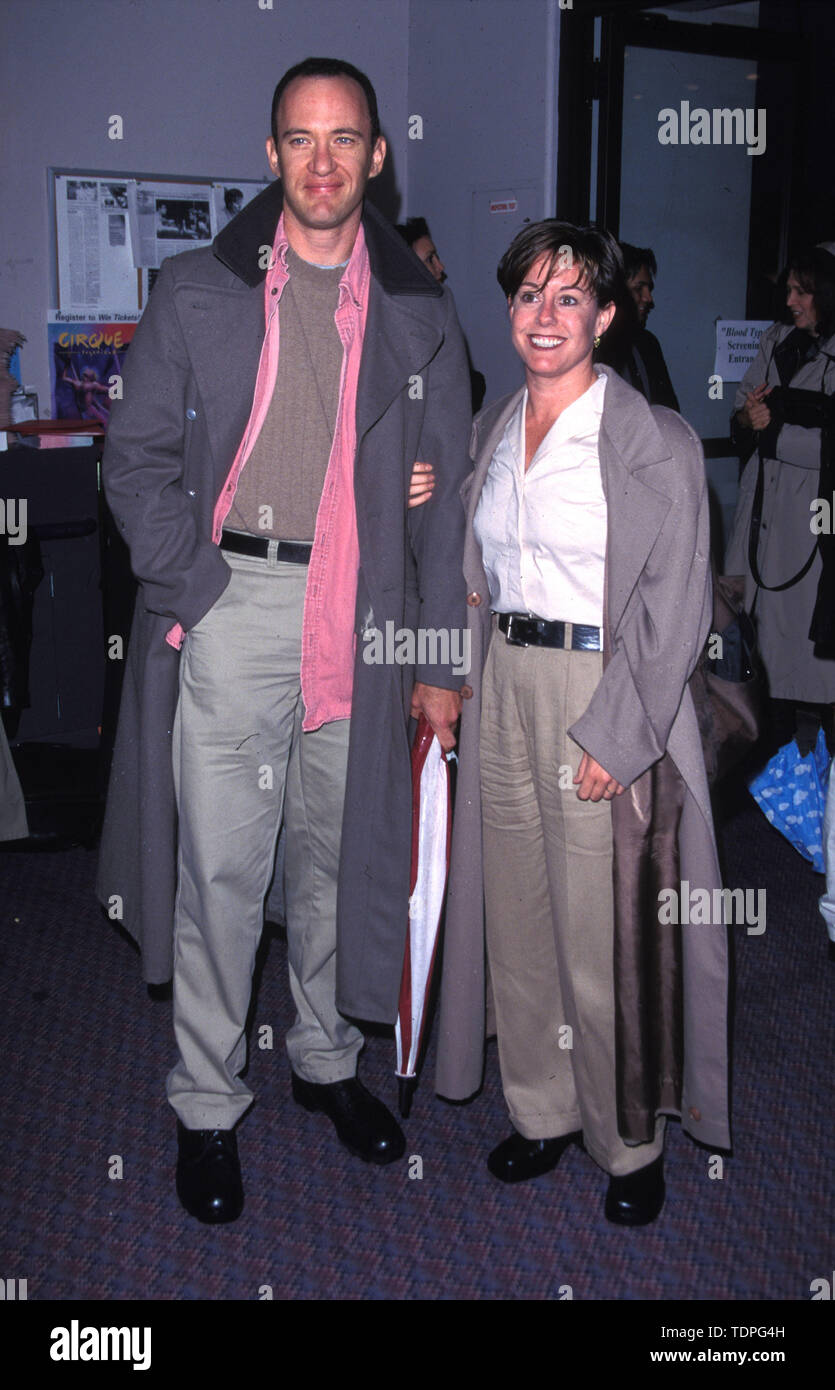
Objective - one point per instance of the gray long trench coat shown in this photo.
(188, 388)
(657, 612)
(791, 483)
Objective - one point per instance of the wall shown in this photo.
(192, 79)
(483, 75)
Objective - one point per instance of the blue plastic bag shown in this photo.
(791, 792)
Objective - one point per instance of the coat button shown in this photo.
(474, 599)
(694, 1113)
(192, 492)
(191, 414)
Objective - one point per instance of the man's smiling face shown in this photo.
(323, 155)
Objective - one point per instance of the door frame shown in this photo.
(584, 79)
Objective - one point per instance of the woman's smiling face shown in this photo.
(553, 325)
(801, 304)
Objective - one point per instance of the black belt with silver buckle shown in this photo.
(296, 552)
(526, 630)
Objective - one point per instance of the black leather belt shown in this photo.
(526, 630)
(296, 552)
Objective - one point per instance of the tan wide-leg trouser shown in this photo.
(549, 904)
(240, 761)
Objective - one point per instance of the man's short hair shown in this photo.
(326, 67)
(413, 229)
(592, 250)
(636, 256)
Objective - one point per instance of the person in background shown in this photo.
(783, 409)
(415, 233)
(21, 571)
(233, 201)
(629, 347)
(582, 800)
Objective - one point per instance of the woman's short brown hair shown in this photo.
(594, 251)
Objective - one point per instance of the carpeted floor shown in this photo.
(86, 1055)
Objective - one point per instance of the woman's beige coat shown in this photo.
(657, 611)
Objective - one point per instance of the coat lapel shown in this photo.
(399, 342)
(223, 323)
(400, 337)
(224, 329)
(634, 508)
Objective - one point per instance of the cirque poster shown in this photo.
(85, 363)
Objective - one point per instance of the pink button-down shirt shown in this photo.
(328, 641)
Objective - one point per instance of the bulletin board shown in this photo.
(112, 231)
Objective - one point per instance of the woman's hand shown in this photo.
(595, 782)
(755, 414)
(421, 484)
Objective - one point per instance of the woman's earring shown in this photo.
(597, 341)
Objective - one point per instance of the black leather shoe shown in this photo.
(209, 1174)
(636, 1199)
(367, 1129)
(517, 1159)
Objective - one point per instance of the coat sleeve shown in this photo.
(757, 372)
(743, 436)
(795, 445)
(437, 529)
(664, 627)
(181, 571)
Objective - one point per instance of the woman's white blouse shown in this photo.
(543, 533)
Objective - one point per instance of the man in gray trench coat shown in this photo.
(219, 434)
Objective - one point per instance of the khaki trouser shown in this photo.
(240, 760)
(549, 904)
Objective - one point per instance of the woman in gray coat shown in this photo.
(582, 778)
(783, 399)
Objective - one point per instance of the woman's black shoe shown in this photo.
(636, 1199)
(517, 1159)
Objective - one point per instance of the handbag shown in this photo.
(728, 684)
